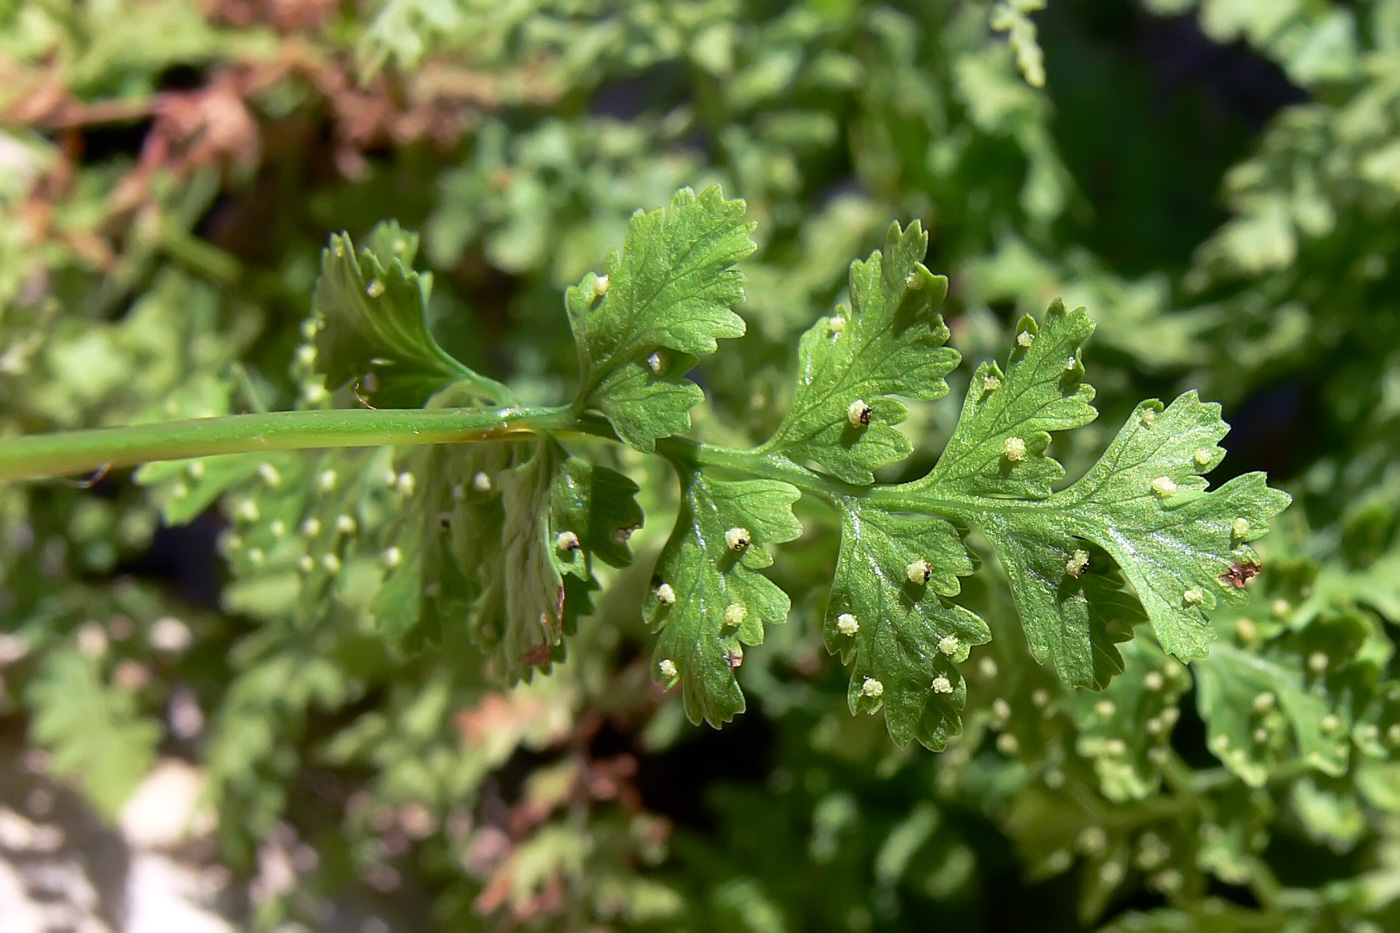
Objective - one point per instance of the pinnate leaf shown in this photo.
(498, 542)
(667, 296)
(889, 342)
(888, 618)
(1144, 504)
(373, 327)
(999, 445)
(709, 599)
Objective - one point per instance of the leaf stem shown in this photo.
(71, 453)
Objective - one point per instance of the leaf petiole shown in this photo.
(71, 453)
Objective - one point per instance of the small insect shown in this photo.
(1240, 573)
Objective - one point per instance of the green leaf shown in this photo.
(668, 296)
(498, 542)
(999, 445)
(373, 325)
(708, 598)
(1143, 506)
(1146, 503)
(96, 734)
(1121, 728)
(1259, 714)
(901, 638)
(890, 342)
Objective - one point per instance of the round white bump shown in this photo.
(665, 595)
(1148, 417)
(278, 528)
(247, 511)
(1240, 528)
(859, 413)
(405, 483)
(1193, 597)
(1024, 339)
(872, 687)
(846, 624)
(1077, 563)
(311, 527)
(1115, 748)
(1092, 840)
(1007, 744)
(326, 481)
(1330, 724)
(657, 362)
(1040, 697)
(345, 525)
(737, 538)
(1318, 662)
(1202, 457)
(375, 288)
(991, 383)
(567, 541)
(1164, 487)
(837, 323)
(481, 482)
(919, 571)
(331, 562)
(987, 667)
(913, 281)
(600, 286)
(1153, 680)
(391, 556)
(667, 667)
(1014, 449)
(1001, 709)
(1104, 709)
(948, 644)
(942, 684)
(1071, 364)
(735, 614)
(195, 469)
(306, 563)
(306, 354)
(1263, 702)
(1261, 735)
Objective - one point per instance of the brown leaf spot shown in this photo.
(1240, 573)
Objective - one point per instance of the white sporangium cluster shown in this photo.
(1024, 339)
(667, 667)
(942, 684)
(1077, 563)
(1193, 596)
(859, 413)
(846, 624)
(656, 362)
(1164, 487)
(737, 538)
(1014, 450)
(567, 541)
(735, 614)
(872, 687)
(919, 571)
(665, 595)
(949, 644)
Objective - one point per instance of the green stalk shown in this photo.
(70, 453)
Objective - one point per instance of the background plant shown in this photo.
(170, 200)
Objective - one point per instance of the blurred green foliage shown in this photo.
(170, 171)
